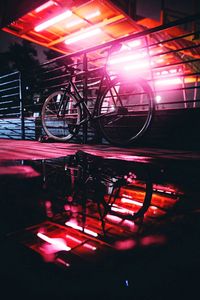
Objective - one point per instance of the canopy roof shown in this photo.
(70, 26)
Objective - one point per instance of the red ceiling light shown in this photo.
(53, 21)
(126, 58)
(44, 6)
(169, 81)
(83, 35)
(88, 17)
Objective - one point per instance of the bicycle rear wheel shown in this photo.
(60, 119)
(125, 111)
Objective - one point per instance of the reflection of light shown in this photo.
(90, 247)
(126, 244)
(61, 261)
(73, 239)
(125, 200)
(113, 218)
(158, 98)
(53, 21)
(58, 242)
(82, 36)
(80, 242)
(44, 6)
(127, 196)
(122, 210)
(153, 240)
(75, 226)
(168, 81)
(79, 21)
(125, 58)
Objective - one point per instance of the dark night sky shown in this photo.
(147, 8)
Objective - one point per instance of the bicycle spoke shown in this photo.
(59, 118)
(125, 111)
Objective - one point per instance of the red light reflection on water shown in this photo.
(86, 245)
(78, 227)
(57, 243)
(153, 240)
(126, 244)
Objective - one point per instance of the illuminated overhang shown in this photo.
(70, 26)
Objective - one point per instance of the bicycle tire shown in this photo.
(123, 123)
(61, 124)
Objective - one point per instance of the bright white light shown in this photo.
(168, 81)
(74, 23)
(137, 65)
(53, 21)
(125, 200)
(88, 246)
(44, 6)
(122, 210)
(158, 98)
(126, 58)
(82, 36)
(113, 218)
(93, 15)
(134, 43)
(87, 17)
(160, 60)
(58, 242)
(75, 226)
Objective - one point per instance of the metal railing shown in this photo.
(11, 102)
(167, 57)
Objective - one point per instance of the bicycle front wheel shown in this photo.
(60, 119)
(125, 111)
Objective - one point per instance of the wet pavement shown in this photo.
(100, 222)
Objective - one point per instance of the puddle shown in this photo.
(84, 211)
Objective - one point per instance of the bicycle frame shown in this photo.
(81, 101)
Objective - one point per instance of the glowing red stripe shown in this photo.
(122, 210)
(125, 200)
(54, 241)
(79, 21)
(44, 6)
(168, 81)
(82, 36)
(125, 58)
(75, 226)
(113, 218)
(79, 241)
(53, 21)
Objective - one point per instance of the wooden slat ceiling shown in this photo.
(74, 27)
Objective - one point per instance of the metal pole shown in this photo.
(85, 95)
(132, 5)
(21, 103)
(162, 12)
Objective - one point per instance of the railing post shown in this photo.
(21, 103)
(85, 95)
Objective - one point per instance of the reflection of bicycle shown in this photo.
(122, 112)
(103, 183)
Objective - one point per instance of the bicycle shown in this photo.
(122, 112)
